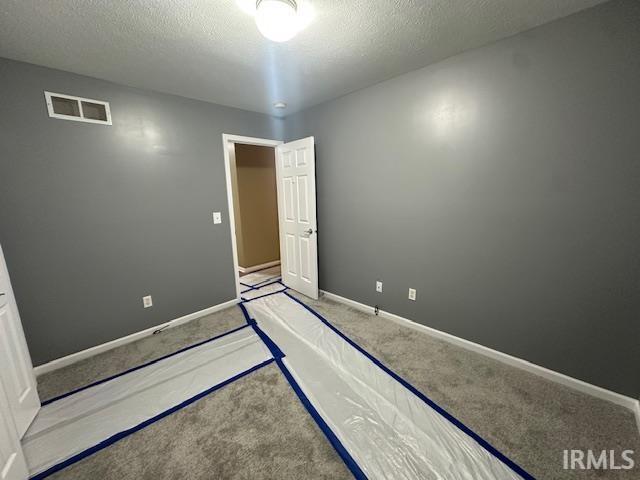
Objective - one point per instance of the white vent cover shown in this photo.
(79, 109)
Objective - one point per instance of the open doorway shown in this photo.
(251, 182)
(289, 169)
(255, 202)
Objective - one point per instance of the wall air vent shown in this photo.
(68, 107)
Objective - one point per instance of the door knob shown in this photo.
(309, 232)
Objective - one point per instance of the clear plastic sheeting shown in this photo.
(75, 423)
(260, 277)
(389, 431)
(268, 288)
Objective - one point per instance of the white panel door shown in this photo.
(16, 370)
(296, 176)
(12, 462)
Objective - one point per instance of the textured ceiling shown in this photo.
(211, 50)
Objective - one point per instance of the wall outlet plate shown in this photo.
(412, 294)
(147, 301)
(217, 217)
(378, 286)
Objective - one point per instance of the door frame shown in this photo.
(228, 141)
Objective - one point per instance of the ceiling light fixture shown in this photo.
(280, 105)
(247, 6)
(277, 19)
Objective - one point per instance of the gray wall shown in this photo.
(93, 217)
(503, 184)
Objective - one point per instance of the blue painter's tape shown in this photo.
(247, 317)
(260, 284)
(251, 287)
(271, 345)
(125, 433)
(256, 287)
(335, 442)
(278, 355)
(108, 379)
(265, 295)
(260, 287)
(490, 448)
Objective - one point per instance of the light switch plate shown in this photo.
(217, 217)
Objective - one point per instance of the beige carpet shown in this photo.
(256, 427)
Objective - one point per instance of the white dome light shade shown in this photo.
(277, 19)
(247, 6)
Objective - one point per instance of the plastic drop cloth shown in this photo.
(73, 424)
(260, 277)
(389, 431)
(271, 287)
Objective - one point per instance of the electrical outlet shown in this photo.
(412, 294)
(217, 217)
(147, 301)
(378, 286)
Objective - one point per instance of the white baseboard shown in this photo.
(90, 352)
(584, 387)
(255, 268)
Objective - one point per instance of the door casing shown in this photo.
(228, 142)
